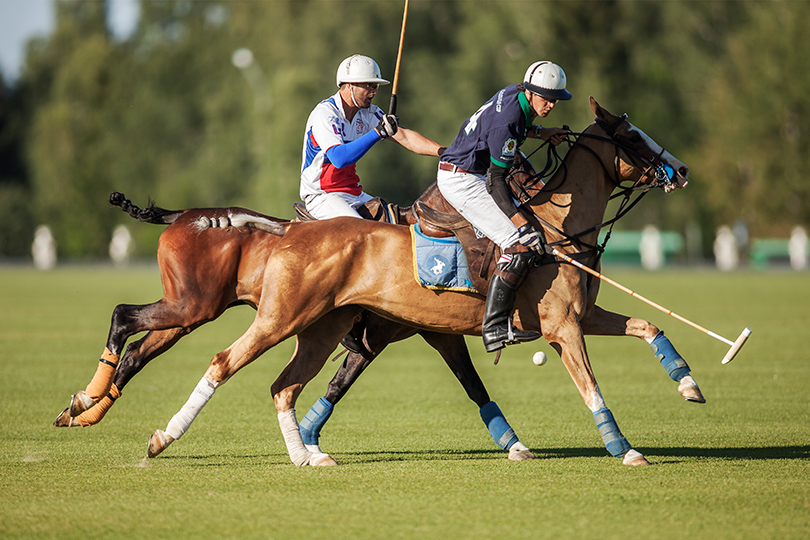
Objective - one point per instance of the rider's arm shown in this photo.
(497, 188)
(343, 155)
(417, 143)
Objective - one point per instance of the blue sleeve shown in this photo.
(343, 155)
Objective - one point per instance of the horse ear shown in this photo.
(602, 113)
(595, 107)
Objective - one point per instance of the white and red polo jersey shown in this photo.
(327, 126)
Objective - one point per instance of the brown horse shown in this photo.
(205, 274)
(321, 274)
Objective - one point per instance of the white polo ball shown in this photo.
(539, 358)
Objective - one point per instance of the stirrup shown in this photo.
(351, 344)
(511, 338)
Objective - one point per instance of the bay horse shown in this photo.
(321, 274)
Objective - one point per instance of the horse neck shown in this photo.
(579, 192)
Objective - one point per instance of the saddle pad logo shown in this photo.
(439, 263)
(438, 268)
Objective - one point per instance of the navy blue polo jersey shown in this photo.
(493, 134)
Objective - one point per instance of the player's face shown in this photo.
(541, 105)
(364, 93)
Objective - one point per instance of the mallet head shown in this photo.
(732, 352)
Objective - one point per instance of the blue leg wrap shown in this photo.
(502, 433)
(310, 426)
(676, 367)
(615, 442)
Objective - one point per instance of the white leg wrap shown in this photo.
(518, 447)
(181, 421)
(299, 455)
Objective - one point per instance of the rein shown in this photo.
(527, 190)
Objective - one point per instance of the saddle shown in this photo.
(376, 210)
(482, 254)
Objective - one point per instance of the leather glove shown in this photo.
(388, 126)
(529, 237)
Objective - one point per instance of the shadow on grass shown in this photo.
(657, 455)
(745, 454)
(665, 455)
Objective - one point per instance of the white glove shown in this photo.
(388, 126)
(530, 238)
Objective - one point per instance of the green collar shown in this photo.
(527, 110)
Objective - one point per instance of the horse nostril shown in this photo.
(683, 171)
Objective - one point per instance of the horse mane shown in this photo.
(151, 214)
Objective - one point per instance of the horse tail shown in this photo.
(277, 228)
(150, 214)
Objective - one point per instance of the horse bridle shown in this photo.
(648, 165)
(651, 164)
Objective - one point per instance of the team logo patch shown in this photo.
(509, 148)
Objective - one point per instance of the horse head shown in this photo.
(639, 159)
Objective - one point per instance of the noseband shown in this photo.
(651, 165)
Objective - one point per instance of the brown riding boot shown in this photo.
(497, 329)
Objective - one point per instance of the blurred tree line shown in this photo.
(172, 114)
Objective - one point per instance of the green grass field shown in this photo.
(416, 460)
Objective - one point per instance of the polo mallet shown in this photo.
(735, 345)
(392, 108)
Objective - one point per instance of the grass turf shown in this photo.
(416, 461)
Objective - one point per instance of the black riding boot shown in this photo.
(354, 339)
(497, 329)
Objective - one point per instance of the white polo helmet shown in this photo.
(359, 69)
(547, 80)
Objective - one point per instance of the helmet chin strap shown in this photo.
(354, 101)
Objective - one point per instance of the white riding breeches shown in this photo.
(325, 205)
(467, 193)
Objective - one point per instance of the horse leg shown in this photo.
(261, 336)
(123, 325)
(137, 355)
(258, 338)
(454, 350)
(605, 323)
(567, 339)
(313, 347)
(167, 321)
(378, 333)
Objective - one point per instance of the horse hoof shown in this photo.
(521, 455)
(65, 420)
(314, 448)
(690, 391)
(158, 442)
(80, 402)
(634, 458)
(322, 460)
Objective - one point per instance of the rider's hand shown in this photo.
(388, 126)
(530, 238)
(553, 135)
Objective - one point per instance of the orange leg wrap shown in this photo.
(100, 384)
(95, 414)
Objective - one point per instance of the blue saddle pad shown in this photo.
(439, 263)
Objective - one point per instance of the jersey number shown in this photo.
(473, 122)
